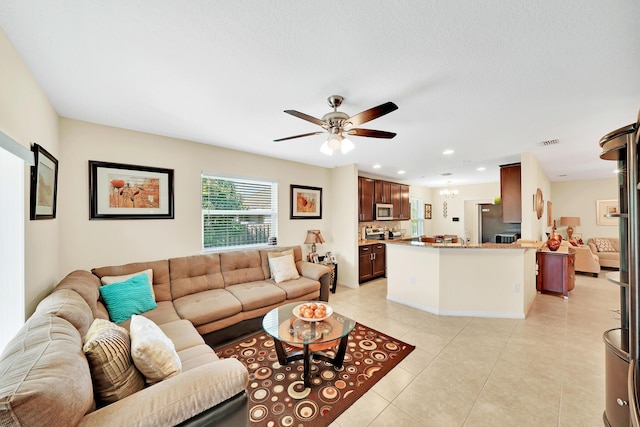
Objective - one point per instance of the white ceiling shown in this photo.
(488, 79)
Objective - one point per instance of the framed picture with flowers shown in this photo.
(306, 202)
(120, 191)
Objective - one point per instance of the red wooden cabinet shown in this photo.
(556, 271)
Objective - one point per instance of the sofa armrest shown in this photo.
(176, 399)
(312, 270)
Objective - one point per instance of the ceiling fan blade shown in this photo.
(372, 113)
(297, 136)
(371, 133)
(306, 117)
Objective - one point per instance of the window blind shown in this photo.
(238, 212)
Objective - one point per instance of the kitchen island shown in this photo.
(483, 280)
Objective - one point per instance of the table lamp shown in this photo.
(313, 237)
(570, 222)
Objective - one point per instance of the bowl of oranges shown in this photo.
(312, 311)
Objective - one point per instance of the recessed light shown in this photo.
(481, 168)
(401, 172)
(377, 166)
(447, 152)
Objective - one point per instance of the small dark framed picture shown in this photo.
(427, 211)
(44, 184)
(306, 202)
(120, 191)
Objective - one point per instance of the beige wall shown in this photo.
(532, 178)
(26, 115)
(85, 244)
(578, 198)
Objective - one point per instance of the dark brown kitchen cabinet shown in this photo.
(395, 199)
(405, 204)
(379, 265)
(371, 261)
(511, 193)
(372, 191)
(366, 191)
(382, 191)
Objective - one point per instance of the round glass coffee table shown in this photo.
(312, 337)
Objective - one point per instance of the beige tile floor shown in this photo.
(545, 370)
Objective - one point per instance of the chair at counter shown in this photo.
(440, 238)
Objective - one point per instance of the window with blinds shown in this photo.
(238, 212)
(417, 218)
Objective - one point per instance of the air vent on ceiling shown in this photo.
(446, 174)
(550, 142)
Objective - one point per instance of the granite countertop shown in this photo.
(460, 245)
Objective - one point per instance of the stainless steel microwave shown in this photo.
(383, 211)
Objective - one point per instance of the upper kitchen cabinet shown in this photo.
(366, 192)
(383, 191)
(372, 191)
(405, 204)
(400, 201)
(511, 193)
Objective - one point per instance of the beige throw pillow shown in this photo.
(153, 352)
(283, 268)
(107, 280)
(108, 350)
(604, 245)
(274, 254)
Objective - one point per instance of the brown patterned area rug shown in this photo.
(277, 397)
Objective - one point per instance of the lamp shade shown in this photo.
(313, 236)
(570, 220)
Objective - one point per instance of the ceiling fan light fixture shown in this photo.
(346, 146)
(324, 148)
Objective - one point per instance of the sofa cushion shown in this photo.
(153, 352)
(107, 280)
(299, 287)
(160, 269)
(254, 295)
(123, 299)
(277, 254)
(283, 268)
(604, 245)
(197, 308)
(195, 274)
(264, 257)
(108, 350)
(611, 256)
(182, 334)
(241, 267)
(70, 306)
(44, 376)
(87, 286)
(194, 357)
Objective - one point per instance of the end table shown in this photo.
(334, 274)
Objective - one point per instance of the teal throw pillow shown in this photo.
(124, 299)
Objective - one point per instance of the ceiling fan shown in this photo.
(337, 124)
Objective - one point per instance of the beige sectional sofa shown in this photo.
(46, 378)
(607, 250)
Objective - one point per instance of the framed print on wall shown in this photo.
(427, 211)
(119, 191)
(44, 184)
(306, 202)
(604, 208)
